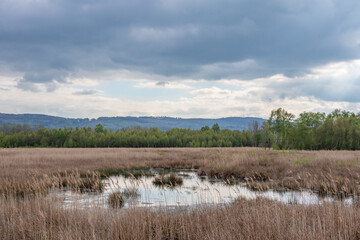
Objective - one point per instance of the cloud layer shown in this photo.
(272, 53)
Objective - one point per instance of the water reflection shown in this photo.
(192, 192)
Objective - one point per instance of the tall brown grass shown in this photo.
(34, 186)
(253, 219)
(27, 213)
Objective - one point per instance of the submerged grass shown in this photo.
(170, 180)
(86, 182)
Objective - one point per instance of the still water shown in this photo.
(194, 191)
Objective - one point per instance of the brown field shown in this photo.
(26, 174)
(326, 172)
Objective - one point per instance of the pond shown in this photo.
(194, 191)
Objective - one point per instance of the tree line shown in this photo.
(339, 130)
(23, 136)
(311, 131)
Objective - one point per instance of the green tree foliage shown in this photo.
(132, 137)
(312, 131)
(99, 128)
(266, 138)
(281, 122)
(216, 127)
(306, 125)
(205, 128)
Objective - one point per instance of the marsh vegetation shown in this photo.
(116, 200)
(170, 180)
(29, 210)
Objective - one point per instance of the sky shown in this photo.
(179, 58)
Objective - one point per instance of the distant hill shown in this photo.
(163, 123)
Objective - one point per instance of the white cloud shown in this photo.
(8, 77)
(7, 81)
(205, 102)
(162, 84)
(214, 92)
(84, 81)
(337, 82)
(86, 92)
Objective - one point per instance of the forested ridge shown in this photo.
(114, 123)
(311, 131)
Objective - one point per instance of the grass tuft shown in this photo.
(116, 200)
(170, 180)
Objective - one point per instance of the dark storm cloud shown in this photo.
(183, 38)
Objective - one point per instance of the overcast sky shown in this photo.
(179, 58)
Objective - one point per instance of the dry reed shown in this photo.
(27, 174)
(246, 219)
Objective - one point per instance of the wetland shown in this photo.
(202, 193)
